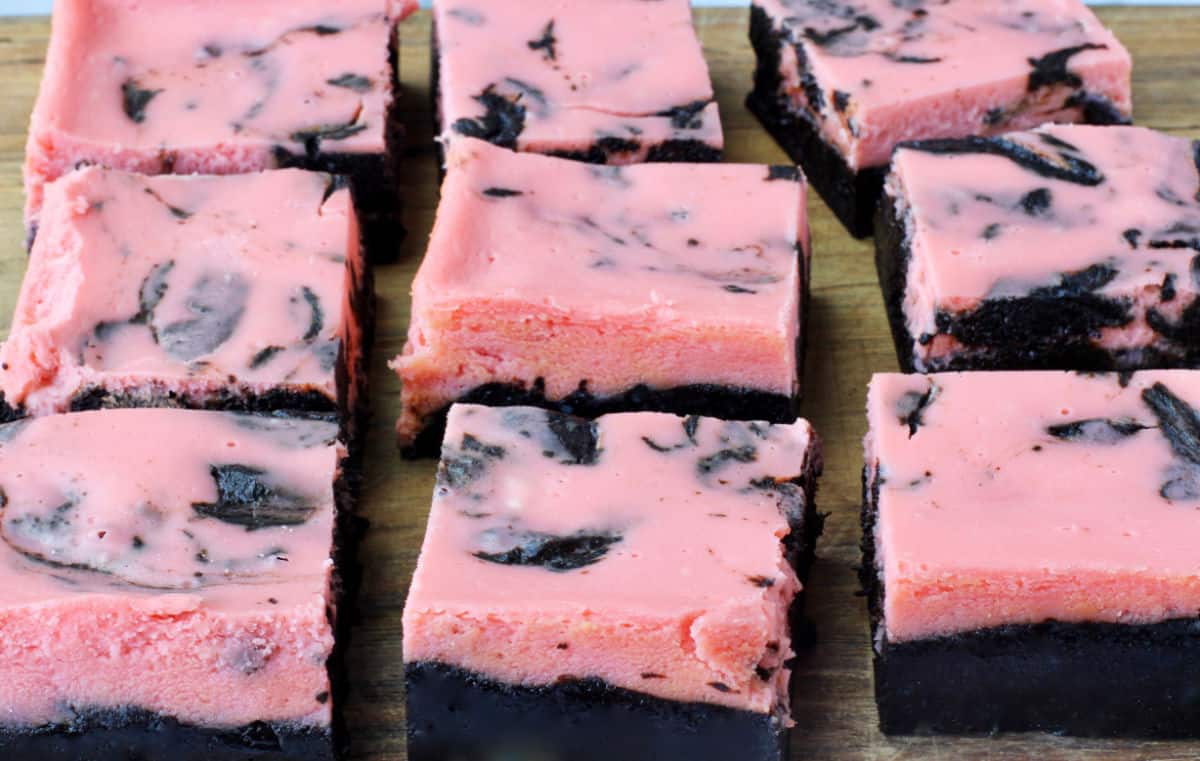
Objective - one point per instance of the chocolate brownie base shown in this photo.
(1085, 679)
(274, 401)
(457, 714)
(701, 399)
(1050, 329)
(132, 733)
(349, 528)
(851, 195)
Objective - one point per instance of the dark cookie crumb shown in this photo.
(552, 552)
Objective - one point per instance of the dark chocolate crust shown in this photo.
(134, 734)
(892, 254)
(454, 713)
(301, 402)
(461, 715)
(1048, 329)
(599, 152)
(1085, 679)
(700, 399)
(851, 195)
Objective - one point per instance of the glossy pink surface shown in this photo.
(542, 267)
(691, 590)
(1026, 497)
(192, 285)
(916, 70)
(175, 86)
(981, 226)
(121, 587)
(580, 71)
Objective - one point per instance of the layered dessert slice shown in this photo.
(1067, 247)
(590, 289)
(618, 588)
(168, 586)
(1029, 552)
(840, 83)
(613, 82)
(174, 87)
(245, 292)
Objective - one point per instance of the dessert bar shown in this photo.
(610, 82)
(175, 87)
(618, 588)
(1029, 552)
(244, 292)
(169, 587)
(1068, 247)
(840, 83)
(592, 289)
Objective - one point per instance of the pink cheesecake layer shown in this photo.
(688, 598)
(974, 234)
(195, 286)
(124, 582)
(888, 72)
(579, 72)
(1015, 498)
(656, 274)
(205, 86)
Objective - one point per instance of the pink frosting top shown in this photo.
(194, 285)
(881, 71)
(177, 86)
(571, 74)
(541, 268)
(1002, 220)
(168, 560)
(643, 549)
(1010, 498)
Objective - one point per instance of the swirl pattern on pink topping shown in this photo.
(171, 561)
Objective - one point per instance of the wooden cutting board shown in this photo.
(849, 340)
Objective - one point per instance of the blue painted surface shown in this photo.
(32, 7)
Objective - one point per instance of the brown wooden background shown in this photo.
(835, 711)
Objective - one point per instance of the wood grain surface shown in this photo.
(849, 340)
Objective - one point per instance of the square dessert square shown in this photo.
(610, 82)
(1029, 552)
(242, 292)
(168, 586)
(1068, 247)
(592, 289)
(175, 87)
(618, 588)
(840, 83)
